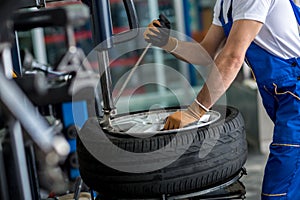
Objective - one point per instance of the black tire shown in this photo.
(188, 173)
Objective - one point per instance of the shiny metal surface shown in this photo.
(153, 122)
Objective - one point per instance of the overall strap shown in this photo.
(229, 14)
(296, 11)
(221, 18)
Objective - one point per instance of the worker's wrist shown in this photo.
(171, 46)
(196, 110)
(201, 105)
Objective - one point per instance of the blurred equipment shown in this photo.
(103, 41)
(33, 146)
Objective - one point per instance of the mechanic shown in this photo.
(265, 33)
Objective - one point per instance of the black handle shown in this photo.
(31, 3)
(66, 15)
(27, 20)
(132, 21)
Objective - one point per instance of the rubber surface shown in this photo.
(224, 141)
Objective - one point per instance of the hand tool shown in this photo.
(131, 73)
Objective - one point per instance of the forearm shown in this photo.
(229, 61)
(220, 78)
(201, 53)
(192, 52)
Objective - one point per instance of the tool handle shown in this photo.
(131, 73)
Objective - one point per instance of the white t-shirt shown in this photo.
(280, 32)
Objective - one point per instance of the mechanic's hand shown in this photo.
(158, 34)
(181, 119)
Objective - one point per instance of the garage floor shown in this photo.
(255, 169)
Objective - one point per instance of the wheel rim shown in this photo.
(153, 122)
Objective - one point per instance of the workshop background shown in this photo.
(190, 17)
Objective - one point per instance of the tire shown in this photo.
(188, 173)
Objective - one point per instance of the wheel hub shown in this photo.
(153, 121)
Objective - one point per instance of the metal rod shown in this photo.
(131, 73)
(105, 79)
(21, 171)
(70, 36)
(78, 187)
(5, 52)
(102, 24)
(22, 109)
(4, 193)
(102, 38)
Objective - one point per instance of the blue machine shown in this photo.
(74, 116)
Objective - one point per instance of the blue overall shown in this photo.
(278, 81)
